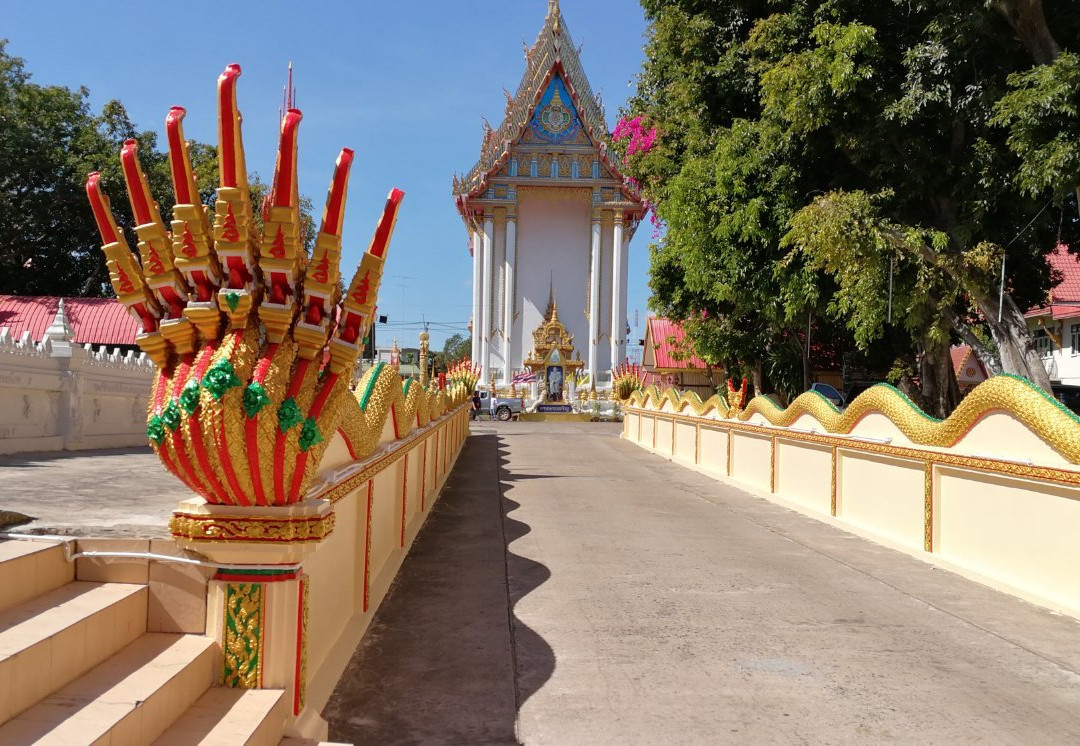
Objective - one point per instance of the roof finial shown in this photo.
(554, 14)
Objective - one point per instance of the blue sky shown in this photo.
(402, 83)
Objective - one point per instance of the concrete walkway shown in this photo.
(642, 603)
(116, 493)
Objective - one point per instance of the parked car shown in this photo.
(830, 393)
(1068, 395)
(856, 388)
(500, 409)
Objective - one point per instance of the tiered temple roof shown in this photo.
(552, 54)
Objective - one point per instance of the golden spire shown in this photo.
(554, 14)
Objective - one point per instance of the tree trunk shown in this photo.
(758, 378)
(1018, 354)
(1029, 22)
(807, 373)
(940, 391)
(989, 359)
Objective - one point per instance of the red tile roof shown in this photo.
(1068, 291)
(1064, 300)
(667, 338)
(100, 321)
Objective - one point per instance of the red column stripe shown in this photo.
(367, 546)
(301, 590)
(279, 442)
(404, 495)
(251, 427)
(316, 410)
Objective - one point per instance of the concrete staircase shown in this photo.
(77, 666)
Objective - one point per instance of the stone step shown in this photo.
(52, 639)
(230, 717)
(131, 698)
(31, 568)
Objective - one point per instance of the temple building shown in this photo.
(549, 215)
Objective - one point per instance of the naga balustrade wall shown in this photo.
(379, 509)
(993, 492)
(56, 395)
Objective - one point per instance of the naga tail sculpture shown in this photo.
(254, 343)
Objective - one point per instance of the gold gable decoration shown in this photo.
(551, 336)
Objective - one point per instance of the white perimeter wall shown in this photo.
(66, 397)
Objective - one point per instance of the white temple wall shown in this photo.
(66, 397)
(553, 237)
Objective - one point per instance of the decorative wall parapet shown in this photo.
(55, 395)
(992, 492)
(1018, 399)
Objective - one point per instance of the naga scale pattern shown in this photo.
(1015, 396)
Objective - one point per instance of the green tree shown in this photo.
(456, 347)
(812, 154)
(49, 141)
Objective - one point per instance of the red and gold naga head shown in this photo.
(254, 343)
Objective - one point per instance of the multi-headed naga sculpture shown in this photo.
(255, 345)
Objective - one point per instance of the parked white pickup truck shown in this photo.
(500, 409)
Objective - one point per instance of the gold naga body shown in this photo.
(254, 343)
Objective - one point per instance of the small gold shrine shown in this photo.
(552, 358)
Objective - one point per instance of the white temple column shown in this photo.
(485, 310)
(618, 329)
(594, 298)
(508, 295)
(477, 291)
(624, 254)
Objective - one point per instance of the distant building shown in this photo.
(1055, 326)
(96, 321)
(406, 358)
(668, 361)
(970, 371)
(549, 214)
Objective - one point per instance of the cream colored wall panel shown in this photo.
(998, 435)
(645, 436)
(664, 434)
(804, 474)
(686, 442)
(713, 450)
(877, 425)
(1021, 532)
(332, 573)
(751, 459)
(882, 495)
(385, 516)
(415, 482)
(808, 422)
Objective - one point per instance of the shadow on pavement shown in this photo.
(534, 660)
(443, 661)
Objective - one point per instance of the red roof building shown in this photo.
(669, 361)
(1055, 325)
(970, 371)
(666, 349)
(98, 321)
(1064, 300)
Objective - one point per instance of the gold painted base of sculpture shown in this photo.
(271, 535)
